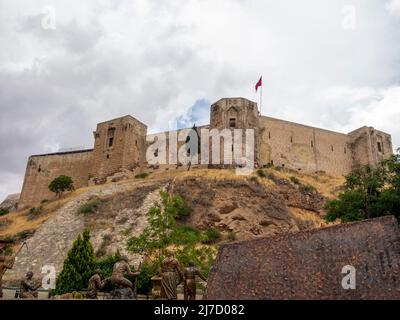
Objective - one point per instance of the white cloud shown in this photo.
(155, 59)
(393, 6)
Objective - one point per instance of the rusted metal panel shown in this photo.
(309, 264)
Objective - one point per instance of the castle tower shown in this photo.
(119, 144)
(237, 113)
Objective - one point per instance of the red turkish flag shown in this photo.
(259, 84)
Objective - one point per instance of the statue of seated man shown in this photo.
(29, 287)
(190, 274)
(120, 271)
(95, 284)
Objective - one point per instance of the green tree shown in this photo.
(78, 266)
(369, 192)
(61, 184)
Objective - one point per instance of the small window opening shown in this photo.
(291, 139)
(110, 142)
(40, 169)
(269, 135)
(156, 153)
(272, 162)
(379, 147)
(312, 144)
(108, 156)
(331, 148)
(232, 123)
(345, 150)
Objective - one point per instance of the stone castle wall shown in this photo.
(42, 169)
(121, 144)
(300, 147)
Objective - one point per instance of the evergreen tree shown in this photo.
(78, 266)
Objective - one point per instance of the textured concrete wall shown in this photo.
(309, 264)
(42, 169)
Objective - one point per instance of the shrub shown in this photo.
(178, 206)
(295, 180)
(254, 179)
(8, 251)
(261, 173)
(3, 212)
(106, 264)
(184, 235)
(78, 266)
(210, 236)
(232, 236)
(308, 188)
(143, 175)
(144, 283)
(90, 207)
(369, 192)
(61, 184)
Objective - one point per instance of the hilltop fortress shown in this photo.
(120, 147)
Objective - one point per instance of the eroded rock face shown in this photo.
(247, 208)
(11, 202)
(309, 264)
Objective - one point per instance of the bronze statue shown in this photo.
(169, 267)
(190, 274)
(95, 284)
(123, 287)
(5, 263)
(120, 270)
(29, 287)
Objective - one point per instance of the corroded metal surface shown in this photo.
(308, 264)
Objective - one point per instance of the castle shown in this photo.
(120, 145)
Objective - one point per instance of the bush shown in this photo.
(295, 180)
(106, 264)
(78, 266)
(254, 179)
(61, 184)
(90, 206)
(184, 235)
(232, 236)
(261, 173)
(3, 212)
(369, 192)
(144, 283)
(178, 206)
(210, 236)
(143, 175)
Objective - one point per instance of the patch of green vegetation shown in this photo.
(143, 175)
(3, 212)
(261, 173)
(90, 207)
(369, 192)
(185, 235)
(210, 236)
(232, 236)
(254, 179)
(295, 180)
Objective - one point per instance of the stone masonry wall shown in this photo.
(297, 146)
(42, 169)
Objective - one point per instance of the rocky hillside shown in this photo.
(269, 202)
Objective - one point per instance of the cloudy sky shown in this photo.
(67, 65)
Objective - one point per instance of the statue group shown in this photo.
(122, 281)
(171, 274)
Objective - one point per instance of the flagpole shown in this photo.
(261, 93)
